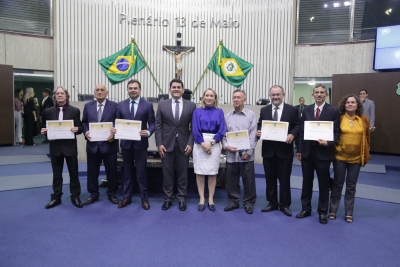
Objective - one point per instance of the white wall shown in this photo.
(86, 31)
(27, 52)
(326, 60)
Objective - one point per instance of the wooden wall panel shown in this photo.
(382, 90)
(6, 105)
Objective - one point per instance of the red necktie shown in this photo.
(317, 114)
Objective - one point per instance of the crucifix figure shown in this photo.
(178, 51)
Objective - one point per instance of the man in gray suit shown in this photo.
(174, 140)
(369, 108)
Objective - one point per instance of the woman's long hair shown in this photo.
(29, 93)
(203, 105)
(342, 105)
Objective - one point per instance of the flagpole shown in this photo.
(202, 76)
(145, 62)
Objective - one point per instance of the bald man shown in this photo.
(100, 110)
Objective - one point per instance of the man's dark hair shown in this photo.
(47, 90)
(322, 86)
(176, 81)
(135, 81)
(365, 90)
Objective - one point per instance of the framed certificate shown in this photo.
(314, 130)
(239, 139)
(100, 131)
(128, 129)
(274, 130)
(60, 129)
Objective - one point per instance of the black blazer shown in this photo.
(66, 147)
(47, 103)
(329, 113)
(298, 109)
(282, 149)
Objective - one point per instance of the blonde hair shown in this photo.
(215, 95)
(29, 93)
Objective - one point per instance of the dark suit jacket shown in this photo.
(282, 149)
(144, 113)
(109, 115)
(47, 103)
(298, 109)
(68, 147)
(329, 113)
(166, 126)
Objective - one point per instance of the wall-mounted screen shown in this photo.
(387, 48)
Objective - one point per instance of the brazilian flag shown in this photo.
(229, 66)
(123, 64)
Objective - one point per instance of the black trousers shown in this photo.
(93, 168)
(275, 169)
(57, 164)
(308, 165)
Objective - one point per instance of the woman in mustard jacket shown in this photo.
(351, 152)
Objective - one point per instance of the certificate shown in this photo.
(314, 130)
(100, 131)
(128, 129)
(239, 139)
(60, 130)
(274, 130)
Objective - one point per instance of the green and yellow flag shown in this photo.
(123, 64)
(229, 67)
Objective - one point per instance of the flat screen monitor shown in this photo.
(162, 97)
(387, 48)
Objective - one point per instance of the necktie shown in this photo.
(301, 111)
(133, 110)
(60, 114)
(99, 113)
(176, 111)
(317, 114)
(276, 114)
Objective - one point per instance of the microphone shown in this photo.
(80, 96)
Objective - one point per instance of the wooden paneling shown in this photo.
(6, 105)
(382, 90)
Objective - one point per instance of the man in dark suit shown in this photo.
(46, 103)
(100, 110)
(64, 148)
(300, 107)
(174, 140)
(317, 154)
(135, 152)
(277, 155)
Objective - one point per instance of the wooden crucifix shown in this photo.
(178, 51)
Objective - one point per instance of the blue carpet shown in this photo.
(103, 235)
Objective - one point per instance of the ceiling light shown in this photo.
(311, 83)
(326, 5)
(347, 3)
(311, 19)
(336, 4)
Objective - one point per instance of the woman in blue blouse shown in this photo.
(208, 127)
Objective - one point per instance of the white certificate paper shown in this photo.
(128, 129)
(274, 130)
(60, 130)
(100, 131)
(314, 130)
(239, 139)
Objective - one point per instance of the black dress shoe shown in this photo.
(166, 205)
(182, 206)
(145, 205)
(323, 219)
(211, 207)
(302, 214)
(231, 207)
(201, 207)
(269, 208)
(77, 202)
(53, 203)
(90, 200)
(286, 211)
(125, 202)
(113, 199)
(249, 210)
